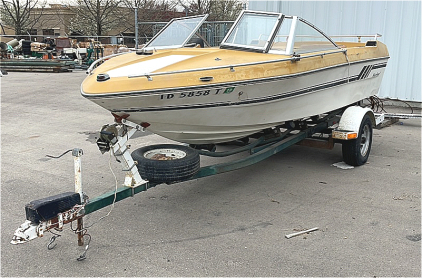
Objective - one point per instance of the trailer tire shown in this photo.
(356, 152)
(166, 162)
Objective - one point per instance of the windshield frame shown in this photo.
(167, 26)
(277, 25)
(263, 49)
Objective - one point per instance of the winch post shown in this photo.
(77, 153)
(119, 148)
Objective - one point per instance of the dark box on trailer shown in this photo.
(48, 208)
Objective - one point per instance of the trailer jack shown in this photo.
(54, 212)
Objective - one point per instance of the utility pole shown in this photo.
(136, 28)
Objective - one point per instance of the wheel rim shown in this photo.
(164, 154)
(365, 140)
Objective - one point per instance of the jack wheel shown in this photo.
(166, 162)
(356, 152)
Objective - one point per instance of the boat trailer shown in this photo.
(351, 126)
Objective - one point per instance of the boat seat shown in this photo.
(371, 43)
(194, 42)
(258, 43)
(279, 46)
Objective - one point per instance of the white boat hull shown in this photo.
(227, 112)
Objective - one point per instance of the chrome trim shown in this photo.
(270, 98)
(91, 67)
(206, 78)
(375, 37)
(102, 77)
(231, 67)
(316, 28)
(243, 48)
(223, 85)
(292, 35)
(274, 33)
(356, 36)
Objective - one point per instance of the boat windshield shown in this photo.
(276, 33)
(176, 33)
(298, 36)
(252, 30)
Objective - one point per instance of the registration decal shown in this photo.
(202, 93)
(229, 90)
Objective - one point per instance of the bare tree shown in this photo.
(196, 7)
(226, 10)
(149, 11)
(217, 9)
(20, 15)
(96, 17)
(152, 10)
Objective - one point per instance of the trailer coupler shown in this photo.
(31, 229)
(28, 231)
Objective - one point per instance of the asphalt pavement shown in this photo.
(232, 224)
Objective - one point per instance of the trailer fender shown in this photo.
(350, 122)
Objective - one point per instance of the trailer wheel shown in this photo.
(166, 162)
(356, 152)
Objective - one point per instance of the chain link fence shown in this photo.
(212, 31)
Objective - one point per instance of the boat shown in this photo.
(269, 69)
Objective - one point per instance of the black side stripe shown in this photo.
(378, 66)
(362, 75)
(216, 86)
(368, 71)
(364, 72)
(252, 101)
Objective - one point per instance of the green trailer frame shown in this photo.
(265, 145)
(264, 150)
